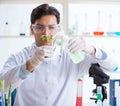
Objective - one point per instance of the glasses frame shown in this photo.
(39, 28)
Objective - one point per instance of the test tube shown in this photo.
(99, 96)
(79, 92)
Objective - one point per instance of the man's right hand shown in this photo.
(41, 54)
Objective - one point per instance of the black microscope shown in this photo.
(99, 78)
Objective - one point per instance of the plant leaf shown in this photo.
(49, 38)
(9, 94)
(2, 83)
(43, 37)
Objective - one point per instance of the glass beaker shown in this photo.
(75, 57)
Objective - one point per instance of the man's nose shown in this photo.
(46, 31)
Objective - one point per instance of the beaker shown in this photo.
(75, 57)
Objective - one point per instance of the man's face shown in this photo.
(47, 26)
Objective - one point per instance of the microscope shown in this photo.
(99, 78)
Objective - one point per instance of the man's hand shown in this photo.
(78, 44)
(41, 54)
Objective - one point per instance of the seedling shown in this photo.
(49, 38)
(9, 95)
(2, 83)
(43, 37)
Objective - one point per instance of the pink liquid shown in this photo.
(79, 101)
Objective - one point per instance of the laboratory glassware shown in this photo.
(117, 33)
(86, 31)
(110, 31)
(22, 31)
(99, 96)
(79, 98)
(98, 31)
(75, 57)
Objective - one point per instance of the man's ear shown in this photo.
(31, 30)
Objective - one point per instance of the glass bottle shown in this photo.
(6, 29)
(22, 29)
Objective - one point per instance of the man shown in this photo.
(43, 74)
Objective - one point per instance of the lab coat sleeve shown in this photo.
(23, 73)
(106, 60)
(12, 71)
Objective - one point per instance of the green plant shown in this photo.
(49, 38)
(2, 83)
(9, 95)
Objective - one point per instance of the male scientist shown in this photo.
(45, 75)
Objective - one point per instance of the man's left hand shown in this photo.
(78, 44)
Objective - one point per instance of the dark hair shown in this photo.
(43, 10)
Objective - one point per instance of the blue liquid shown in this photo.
(117, 33)
(110, 33)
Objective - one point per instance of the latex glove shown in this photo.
(78, 44)
(41, 54)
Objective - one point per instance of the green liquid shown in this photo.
(99, 96)
(77, 57)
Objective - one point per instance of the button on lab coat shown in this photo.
(52, 83)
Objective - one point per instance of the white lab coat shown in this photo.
(52, 83)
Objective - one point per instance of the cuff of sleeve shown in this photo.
(23, 73)
(100, 54)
